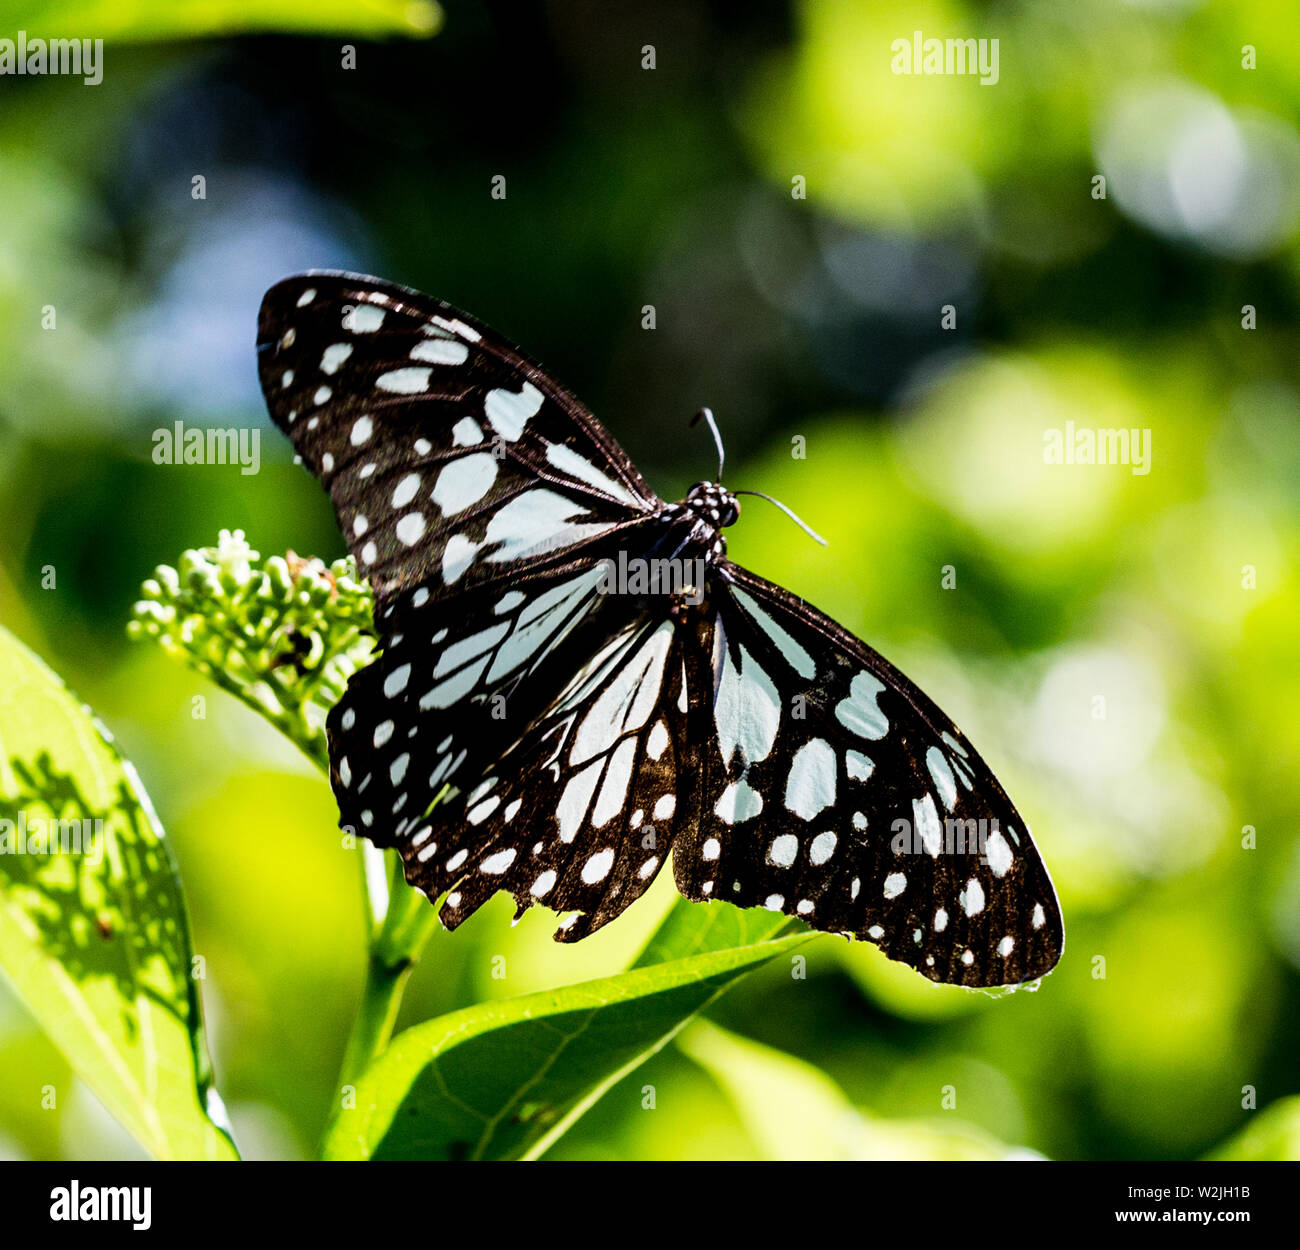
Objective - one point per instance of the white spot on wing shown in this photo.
(613, 792)
(657, 742)
(396, 681)
(466, 433)
(747, 711)
(972, 897)
(859, 713)
(784, 850)
(822, 847)
(457, 556)
(335, 354)
(440, 352)
(405, 490)
(464, 482)
(406, 381)
(926, 821)
(598, 866)
(810, 786)
(941, 774)
(410, 529)
(998, 854)
(799, 659)
(738, 802)
(363, 319)
(575, 799)
(569, 461)
(508, 412)
(858, 766)
(498, 863)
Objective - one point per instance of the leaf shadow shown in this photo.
(84, 879)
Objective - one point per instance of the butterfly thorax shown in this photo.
(710, 507)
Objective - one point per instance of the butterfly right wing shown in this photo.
(836, 791)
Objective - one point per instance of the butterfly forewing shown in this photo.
(452, 459)
(840, 794)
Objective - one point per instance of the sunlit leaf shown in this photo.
(161, 19)
(93, 933)
(503, 1080)
(1273, 1133)
(795, 1111)
(692, 929)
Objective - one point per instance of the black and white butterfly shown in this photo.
(579, 736)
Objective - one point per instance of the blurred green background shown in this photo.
(1170, 596)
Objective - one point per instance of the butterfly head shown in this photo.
(713, 503)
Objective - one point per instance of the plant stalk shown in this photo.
(400, 923)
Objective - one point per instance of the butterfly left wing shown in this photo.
(477, 496)
(581, 811)
(452, 459)
(840, 794)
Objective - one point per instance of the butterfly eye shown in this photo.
(730, 512)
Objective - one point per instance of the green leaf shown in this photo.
(1274, 1133)
(795, 1111)
(167, 19)
(694, 928)
(93, 932)
(504, 1080)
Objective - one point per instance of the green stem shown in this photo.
(372, 1027)
(397, 936)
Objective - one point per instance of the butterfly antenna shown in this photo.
(707, 414)
(802, 524)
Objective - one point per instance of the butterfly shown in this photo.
(576, 674)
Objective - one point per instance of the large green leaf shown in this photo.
(794, 1111)
(503, 1080)
(169, 19)
(1273, 1133)
(93, 930)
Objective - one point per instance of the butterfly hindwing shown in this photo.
(580, 812)
(447, 689)
(839, 793)
(451, 458)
